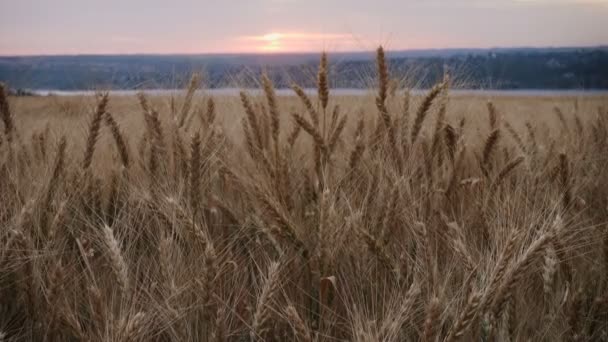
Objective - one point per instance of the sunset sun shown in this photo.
(281, 41)
(272, 42)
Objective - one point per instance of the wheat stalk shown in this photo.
(285, 227)
(322, 83)
(263, 313)
(5, 115)
(314, 115)
(432, 322)
(117, 261)
(489, 148)
(94, 127)
(383, 111)
(293, 136)
(516, 137)
(500, 269)
(310, 129)
(357, 152)
(502, 175)
(58, 169)
(549, 269)
(335, 136)
(466, 318)
(195, 176)
(405, 122)
(252, 120)
(300, 329)
(423, 110)
(273, 109)
(564, 178)
(492, 115)
(118, 139)
(512, 277)
(195, 81)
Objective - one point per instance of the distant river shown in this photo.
(341, 91)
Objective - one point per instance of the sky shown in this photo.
(51, 27)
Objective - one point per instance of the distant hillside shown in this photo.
(522, 68)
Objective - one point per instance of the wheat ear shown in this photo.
(322, 82)
(5, 114)
(119, 139)
(432, 322)
(117, 261)
(423, 110)
(94, 127)
(192, 86)
(300, 329)
(263, 313)
(465, 319)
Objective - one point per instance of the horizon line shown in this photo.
(292, 53)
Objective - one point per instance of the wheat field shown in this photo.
(388, 217)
